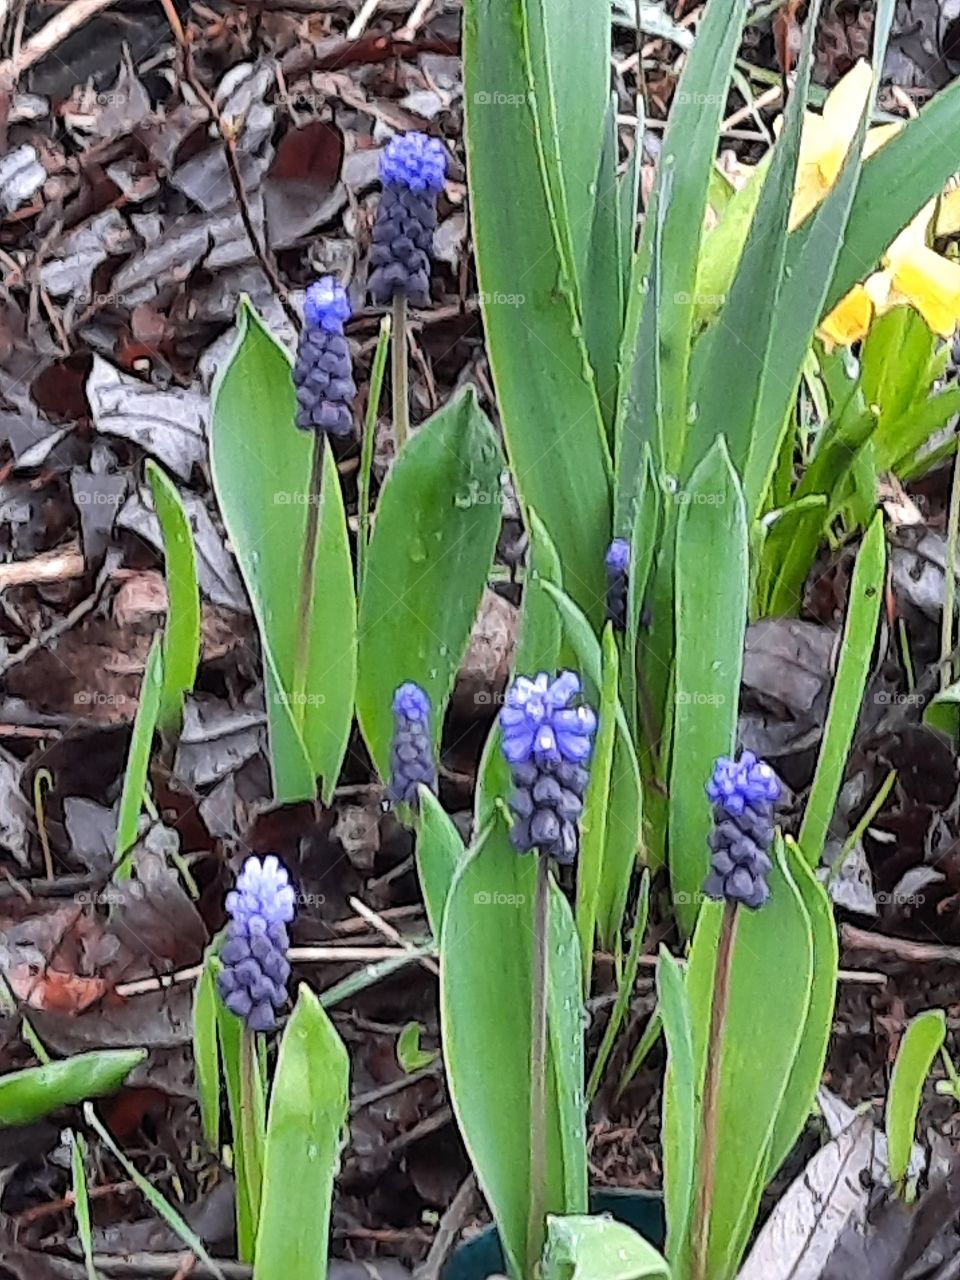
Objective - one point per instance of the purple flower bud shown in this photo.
(253, 979)
(744, 794)
(412, 170)
(617, 563)
(546, 741)
(323, 373)
(411, 752)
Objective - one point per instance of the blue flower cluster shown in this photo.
(411, 751)
(412, 171)
(253, 980)
(744, 794)
(323, 373)
(547, 742)
(618, 565)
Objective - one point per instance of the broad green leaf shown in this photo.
(486, 970)
(411, 1056)
(856, 650)
(684, 167)
(624, 991)
(801, 1091)
(679, 1101)
(206, 1052)
(34, 1092)
(593, 827)
(552, 423)
(598, 1248)
(731, 361)
(433, 541)
(305, 1128)
(711, 618)
(261, 467)
(440, 850)
(138, 758)
(761, 1038)
(623, 826)
(901, 450)
(922, 1041)
(181, 634)
(602, 283)
(894, 362)
(158, 1202)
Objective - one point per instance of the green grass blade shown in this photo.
(81, 1201)
(138, 758)
(856, 650)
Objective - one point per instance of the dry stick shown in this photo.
(308, 575)
(49, 36)
(707, 1164)
(228, 135)
(61, 565)
(538, 1065)
(451, 1224)
(389, 932)
(359, 24)
(398, 369)
(415, 21)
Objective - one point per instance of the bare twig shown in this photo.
(905, 949)
(416, 20)
(60, 565)
(389, 932)
(451, 1224)
(48, 37)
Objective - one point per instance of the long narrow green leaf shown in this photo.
(138, 757)
(305, 1130)
(565, 1033)
(602, 284)
(81, 1201)
(181, 635)
(429, 558)
(552, 423)
(679, 1101)
(206, 1052)
(920, 1045)
(34, 1092)
(440, 850)
(711, 618)
(856, 650)
(624, 991)
(598, 1248)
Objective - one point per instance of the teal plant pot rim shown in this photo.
(642, 1210)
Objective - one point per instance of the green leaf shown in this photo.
(486, 971)
(31, 1094)
(593, 827)
(922, 1041)
(731, 361)
(181, 633)
(552, 423)
(305, 1125)
(899, 448)
(410, 1055)
(805, 1075)
(440, 850)
(679, 1101)
(565, 1031)
(206, 1051)
(230, 1035)
(598, 1248)
(138, 757)
(761, 1038)
(711, 617)
(261, 467)
(432, 547)
(856, 650)
(81, 1201)
(153, 1197)
(685, 166)
(602, 283)
(624, 991)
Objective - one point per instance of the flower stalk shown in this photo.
(251, 1122)
(308, 575)
(538, 1065)
(399, 373)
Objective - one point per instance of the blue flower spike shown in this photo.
(412, 171)
(744, 794)
(411, 751)
(253, 979)
(617, 563)
(323, 373)
(547, 742)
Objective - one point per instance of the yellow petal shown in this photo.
(948, 215)
(879, 289)
(850, 319)
(913, 236)
(931, 284)
(879, 136)
(841, 116)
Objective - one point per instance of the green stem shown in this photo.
(367, 447)
(950, 580)
(538, 1067)
(308, 570)
(707, 1160)
(251, 1123)
(401, 389)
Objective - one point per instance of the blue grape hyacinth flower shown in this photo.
(411, 751)
(253, 979)
(547, 742)
(617, 563)
(323, 373)
(412, 171)
(744, 794)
